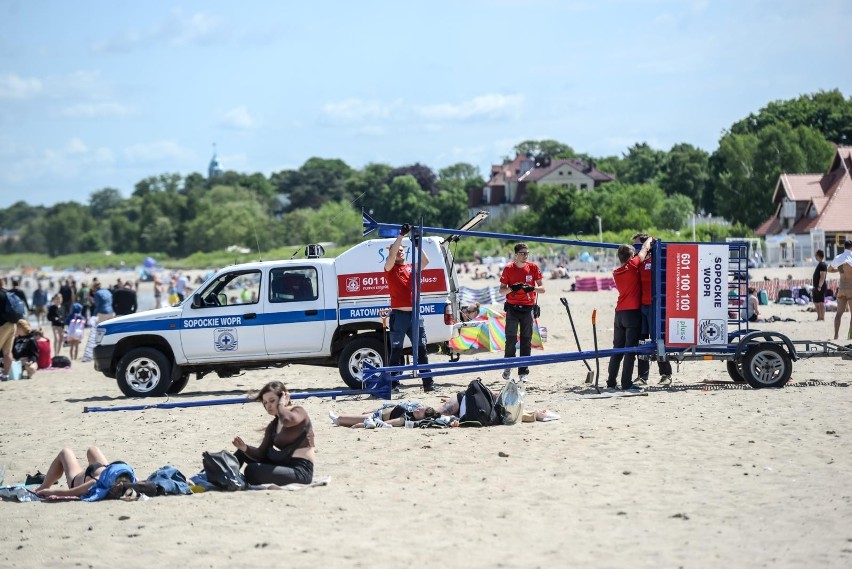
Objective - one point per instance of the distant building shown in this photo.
(214, 170)
(508, 183)
(812, 211)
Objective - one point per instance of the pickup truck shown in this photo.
(312, 310)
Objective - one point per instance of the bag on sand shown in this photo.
(60, 361)
(480, 406)
(223, 470)
(510, 402)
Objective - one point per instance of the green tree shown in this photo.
(643, 164)
(102, 202)
(548, 148)
(673, 213)
(685, 172)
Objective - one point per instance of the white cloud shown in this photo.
(96, 110)
(76, 146)
(238, 118)
(356, 110)
(27, 164)
(15, 87)
(485, 106)
(158, 152)
(176, 30)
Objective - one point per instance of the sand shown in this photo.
(695, 476)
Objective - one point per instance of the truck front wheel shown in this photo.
(144, 372)
(353, 357)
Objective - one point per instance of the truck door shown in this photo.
(295, 319)
(221, 320)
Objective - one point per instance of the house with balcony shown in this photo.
(505, 190)
(812, 211)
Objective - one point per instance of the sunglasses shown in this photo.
(523, 253)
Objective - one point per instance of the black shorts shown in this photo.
(819, 296)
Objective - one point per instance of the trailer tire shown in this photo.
(353, 356)
(767, 365)
(735, 371)
(144, 372)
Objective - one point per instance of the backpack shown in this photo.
(510, 402)
(223, 470)
(60, 361)
(480, 405)
(15, 308)
(43, 353)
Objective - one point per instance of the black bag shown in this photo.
(223, 470)
(15, 308)
(536, 311)
(480, 406)
(60, 361)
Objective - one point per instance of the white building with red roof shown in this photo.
(813, 211)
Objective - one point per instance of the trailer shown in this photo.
(699, 309)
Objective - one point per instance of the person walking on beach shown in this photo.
(521, 282)
(7, 332)
(820, 286)
(843, 264)
(649, 323)
(40, 304)
(124, 299)
(399, 275)
(628, 314)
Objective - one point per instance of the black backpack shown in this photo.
(223, 470)
(60, 361)
(14, 309)
(480, 406)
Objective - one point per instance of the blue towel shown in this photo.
(106, 480)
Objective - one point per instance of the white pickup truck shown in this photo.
(257, 315)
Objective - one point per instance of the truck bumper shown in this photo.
(103, 360)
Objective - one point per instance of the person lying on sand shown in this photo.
(387, 416)
(80, 481)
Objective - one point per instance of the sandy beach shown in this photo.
(697, 475)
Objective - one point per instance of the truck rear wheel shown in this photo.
(353, 357)
(144, 372)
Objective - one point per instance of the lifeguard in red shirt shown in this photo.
(520, 282)
(628, 316)
(399, 276)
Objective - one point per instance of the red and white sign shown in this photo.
(696, 295)
(375, 284)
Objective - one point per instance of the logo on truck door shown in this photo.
(225, 339)
(353, 284)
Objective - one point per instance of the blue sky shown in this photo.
(98, 94)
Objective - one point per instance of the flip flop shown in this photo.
(550, 416)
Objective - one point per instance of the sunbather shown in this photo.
(388, 415)
(79, 480)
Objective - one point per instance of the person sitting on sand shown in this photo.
(286, 454)
(82, 482)
(386, 416)
(25, 348)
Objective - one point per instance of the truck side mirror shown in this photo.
(196, 301)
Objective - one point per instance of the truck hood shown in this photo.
(157, 319)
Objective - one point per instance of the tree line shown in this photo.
(321, 200)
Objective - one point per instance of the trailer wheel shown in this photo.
(353, 357)
(735, 371)
(767, 365)
(144, 372)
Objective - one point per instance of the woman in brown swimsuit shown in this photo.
(286, 454)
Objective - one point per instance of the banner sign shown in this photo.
(696, 294)
(374, 284)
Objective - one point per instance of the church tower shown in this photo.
(214, 170)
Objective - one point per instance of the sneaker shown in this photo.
(507, 373)
(665, 380)
(369, 423)
(4, 377)
(523, 377)
(641, 381)
(632, 387)
(382, 425)
(333, 417)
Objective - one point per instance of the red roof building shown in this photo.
(509, 180)
(813, 211)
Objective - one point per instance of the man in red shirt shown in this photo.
(398, 274)
(520, 282)
(649, 323)
(628, 316)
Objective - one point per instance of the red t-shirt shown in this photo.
(399, 283)
(528, 274)
(645, 271)
(629, 285)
